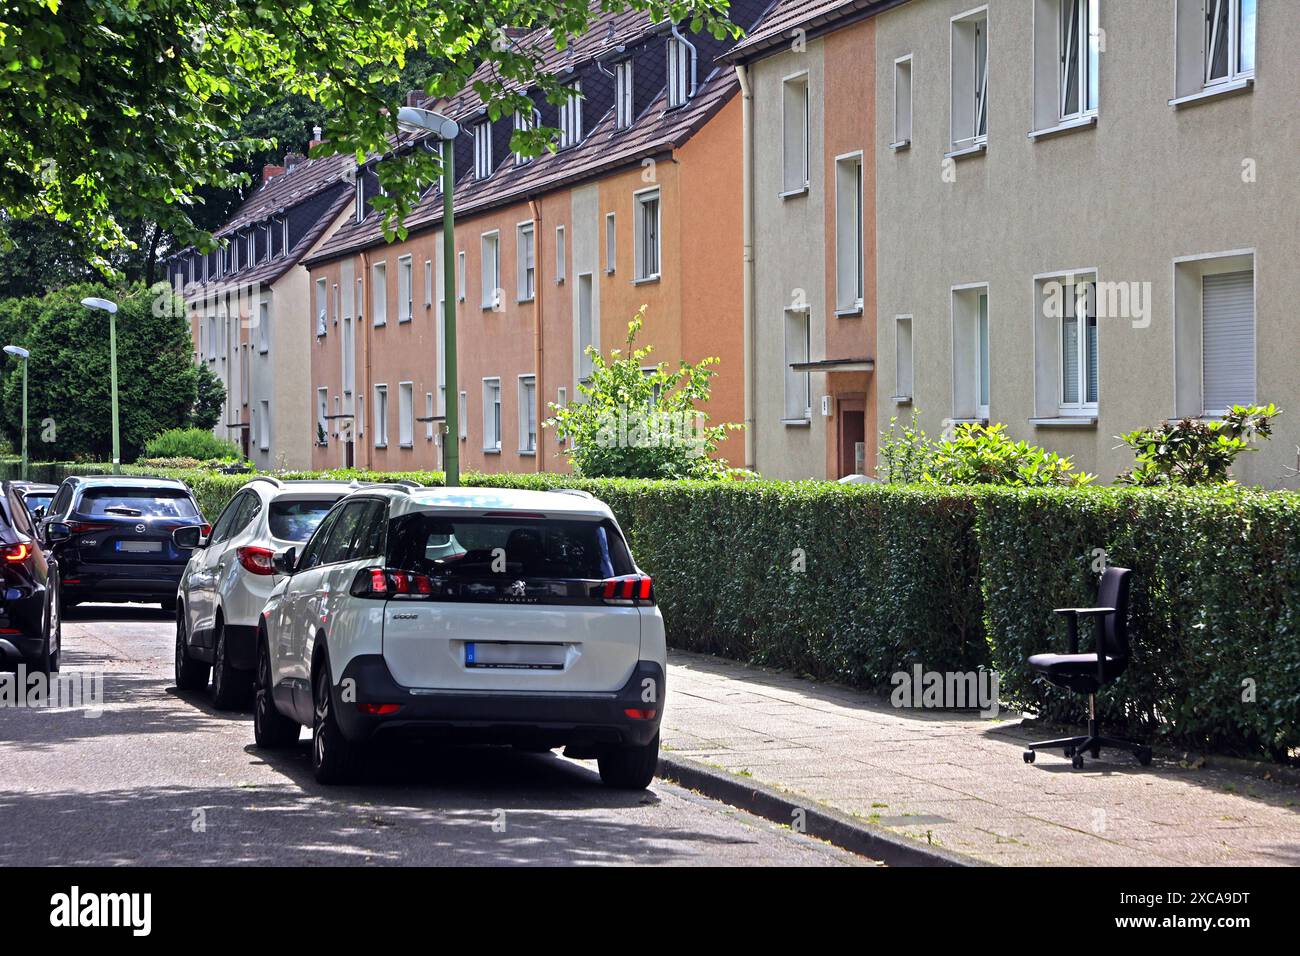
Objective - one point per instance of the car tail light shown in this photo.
(256, 560)
(387, 583)
(634, 589)
(379, 710)
(639, 713)
(205, 529)
(17, 552)
(85, 527)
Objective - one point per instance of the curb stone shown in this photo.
(820, 822)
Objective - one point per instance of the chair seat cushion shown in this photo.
(1078, 672)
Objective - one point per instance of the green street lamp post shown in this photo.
(414, 119)
(111, 308)
(23, 354)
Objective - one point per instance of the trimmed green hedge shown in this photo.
(959, 578)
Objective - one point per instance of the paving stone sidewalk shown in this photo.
(960, 781)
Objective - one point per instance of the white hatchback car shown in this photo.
(229, 577)
(474, 614)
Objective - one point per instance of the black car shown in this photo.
(36, 496)
(112, 536)
(29, 602)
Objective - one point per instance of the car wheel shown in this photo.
(270, 727)
(55, 642)
(231, 687)
(47, 662)
(334, 758)
(630, 768)
(191, 674)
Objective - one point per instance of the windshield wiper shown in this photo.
(123, 510)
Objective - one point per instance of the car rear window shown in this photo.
(296, 520)
(450, 547)
(136, 503)
(35, 500)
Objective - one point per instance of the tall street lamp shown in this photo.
(23, 354)
(111, 308)
(416, 120)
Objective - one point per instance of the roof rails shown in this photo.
(400, 485)
(268, 478)
(577, 492)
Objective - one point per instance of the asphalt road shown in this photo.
(162, 778)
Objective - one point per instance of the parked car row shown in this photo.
(363, 611)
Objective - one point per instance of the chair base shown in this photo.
(1090, 743)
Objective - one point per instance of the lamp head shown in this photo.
(91, 302)
(413, 119)
(18, 350)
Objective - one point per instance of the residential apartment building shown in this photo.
(811, 142)
(248, 301)
(1085, 218)
(640, 205)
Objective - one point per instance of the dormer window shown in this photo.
(483, 150)
(571, 118)
(360, 200)
(681, 72)
(524, 122)
(624, 110)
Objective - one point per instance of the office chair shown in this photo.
(1088, 673)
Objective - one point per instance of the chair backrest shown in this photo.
(1113, 592)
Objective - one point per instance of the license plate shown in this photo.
(137, 547)
(501, 655)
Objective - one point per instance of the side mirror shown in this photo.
(56, 532)
(188, 538)
(285, 561)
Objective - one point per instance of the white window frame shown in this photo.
(322, 307)
(380, 409)
(1189, 274)
(582, 361)
(525, 261)
(406, 414)
(904, 360)
(491, 415)
(796, 134)
(322, 419)
(797, 327)
(490, 271)
(680, 72)
(561, 255)
(462, 417)
(405, 295)
(571, 118)
(525, 123)
(902, 102)
(968, 383)
(379, 293)
(263, 327)
(624, 95)
(969, 80)
(428, 283)
(359, 194)
(611, 243)
(460, 276)
(527, 420)
(264, 435)
(647, 255)
(429, 414)
(482, 150)
(1067, 48)
(850, 254)
(1233, 10)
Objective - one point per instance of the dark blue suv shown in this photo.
(112, 537)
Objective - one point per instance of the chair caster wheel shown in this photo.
(1029, 756)
(1077, 762)
(1144, 756)
(1069, 751)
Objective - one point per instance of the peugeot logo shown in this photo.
(518, 589)
(139, 529)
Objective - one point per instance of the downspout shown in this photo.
(539, 454)
(672, 26)
(747, 230)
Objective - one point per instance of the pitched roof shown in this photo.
(813, 16)
(605, 147)
(288, 189)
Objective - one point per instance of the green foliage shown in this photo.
(1195, 451)
(209, 399)
(974, 455)
(115, 111)
(638, 424)
(194, 443)
(69, 403)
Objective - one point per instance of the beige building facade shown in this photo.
(1086, 218)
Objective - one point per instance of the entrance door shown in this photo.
(852, 436)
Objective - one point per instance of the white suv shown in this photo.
(476, 614)
(229, 577)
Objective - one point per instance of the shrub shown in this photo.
(635, 424)
(1196, 451)
(973, 455)
(189, 443)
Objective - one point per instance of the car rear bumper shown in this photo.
(21, 620)
(579, 721)
(116, 582)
